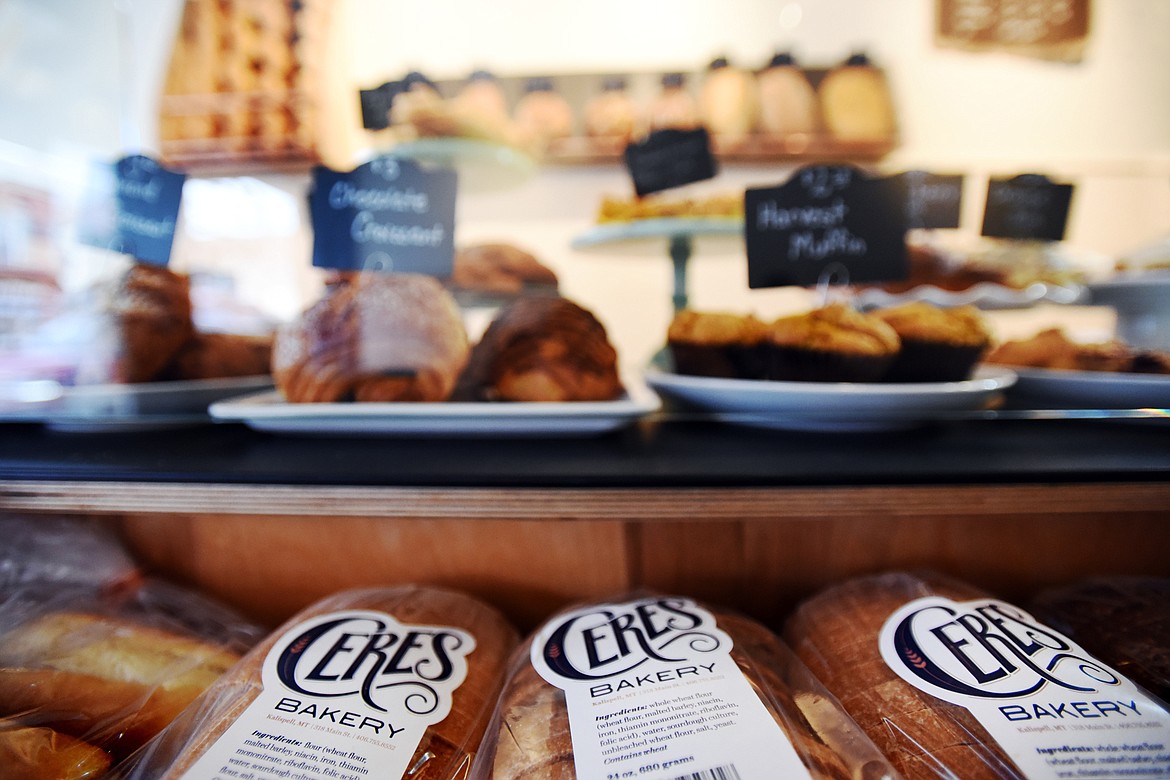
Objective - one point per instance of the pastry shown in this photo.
(499, 269)
(220, 356)
(1124, 621)
(611, 117)
(375, 337)
(834, 343)
(38, 753)
(1052, 348)
(482, 96)
(658, 206)
(717, 344)
(674, 108)
(108, 680)
(728, 101)
(855, 102)
(788, 102)
(543, 348)
(530, 738)
(434, 628)
(148, 310)
(937, 344)
(836, 634)
(542, 116)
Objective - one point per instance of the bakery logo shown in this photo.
(985, 649)
(391, 667)
(616, 639)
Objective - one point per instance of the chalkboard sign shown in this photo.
(132, 206)
(825, 219)
(1028, 207)
(670, 158)
(387, 215)
(932, 200)
(376, 104)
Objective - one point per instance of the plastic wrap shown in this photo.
(678, 691)
(61, 550)
(88, 673)
(1124, 621)
(952, 683)
(383, 682)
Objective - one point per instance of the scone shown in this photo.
(938, 344)
(543, 348)
(834, 343)
(373, 337)
(717, 344)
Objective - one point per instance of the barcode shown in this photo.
(725, 772)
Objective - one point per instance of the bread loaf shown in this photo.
(530, 738)
(1124, 621)
(445, 748)
(112, 682)
(836, 634)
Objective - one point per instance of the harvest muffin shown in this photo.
(938, 344)
(835, 343)
(717, 344)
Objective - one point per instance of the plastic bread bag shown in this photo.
(109, 669)
(40, 753)
(381, 682)
(950, 682)
(64, 550)
(656, 687)
(1124, 621)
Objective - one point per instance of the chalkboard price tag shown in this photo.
(1028, 207)
(376, 104)
(389, 214)
(132, 206)
(670, 158)
(932, 200)
(826, 223)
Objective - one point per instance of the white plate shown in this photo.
(827, 406)
(270, 412)
(1112, 390)
(110, 407)
(984, 295)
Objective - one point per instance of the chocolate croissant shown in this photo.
(148, 309)
(373, 337)
(543, 348)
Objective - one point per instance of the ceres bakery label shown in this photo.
(1054, 709)
(653, 693)
(346, 695)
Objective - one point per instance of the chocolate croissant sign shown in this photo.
(132, 207)
(826, 220)
(389, 214)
